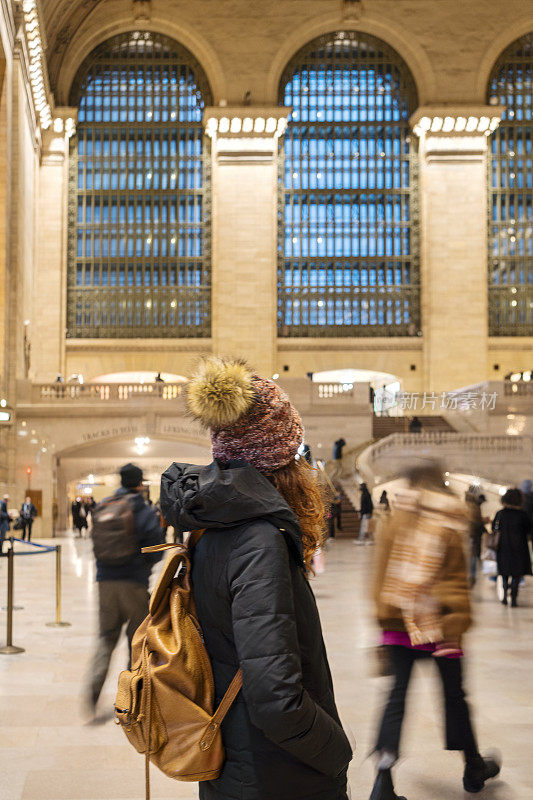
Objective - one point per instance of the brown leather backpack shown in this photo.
(165, 702)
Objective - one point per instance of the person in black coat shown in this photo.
(282, 736)
(5, 521)
(28, 512)
(366, 510)
(79, 515)
(513, 527)
(415, 426)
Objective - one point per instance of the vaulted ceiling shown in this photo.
(62, 18)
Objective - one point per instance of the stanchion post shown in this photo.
(58, 622)
(10, 648)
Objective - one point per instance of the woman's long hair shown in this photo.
(298, 484)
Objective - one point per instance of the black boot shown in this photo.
(479, 771)
(383, 788)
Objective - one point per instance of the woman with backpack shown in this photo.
(263, 517)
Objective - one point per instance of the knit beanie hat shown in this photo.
(131, 476)
(249, 417)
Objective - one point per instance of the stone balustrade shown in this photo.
(103, 392)
(500, 458)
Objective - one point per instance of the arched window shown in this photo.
(511, 194)
(348, 251)
(139, 232)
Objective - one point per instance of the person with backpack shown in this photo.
(122, 525)
(262, 517)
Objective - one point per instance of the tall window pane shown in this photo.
(348, 250)
(139, 228)
(511, 194)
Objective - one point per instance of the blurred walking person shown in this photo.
(334, 515)
(263, 517)
(477, 531)
(366, 510)
(122, 525)
(28, 512)
(5, 520)
(79, 516)
(423, 607)
(384, 504)
(512, 527)
(338, 447)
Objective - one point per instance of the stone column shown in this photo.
(453, 185)
(50, 275)
(245, 155)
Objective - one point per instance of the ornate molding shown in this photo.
(245, 122)
(456, 120)
(377, 344)
(142, 10)
(352, 10)
(139, 345)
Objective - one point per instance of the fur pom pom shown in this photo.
(220, 392)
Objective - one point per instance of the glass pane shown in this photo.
(510, 242)
(348, 248)
(139, 96)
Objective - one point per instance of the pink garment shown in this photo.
(402, 638)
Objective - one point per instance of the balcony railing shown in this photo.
(112, 392)
(475, 453)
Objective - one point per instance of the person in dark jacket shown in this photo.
(123, 589)
(262, 515)
(512, 526)
(79, 515)
(5, 521)
(366, 510)
(28, 512)
(415, 426)
(477, 530)
(384, 504)
(338, 447)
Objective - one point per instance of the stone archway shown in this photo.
(103, 455)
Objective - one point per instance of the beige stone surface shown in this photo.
(47, 753)
(454, 260)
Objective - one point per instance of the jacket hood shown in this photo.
(224, 496)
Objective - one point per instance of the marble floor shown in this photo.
(48, 753)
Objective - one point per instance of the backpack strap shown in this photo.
(214, 724)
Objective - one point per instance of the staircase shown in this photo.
(384, 426)
(350, 518)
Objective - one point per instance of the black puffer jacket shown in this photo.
(283, 737)
(512, 552)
